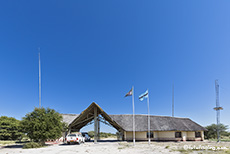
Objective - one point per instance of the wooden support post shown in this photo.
(98, 129)
(95, 125)
(120, 136)
(69, 130)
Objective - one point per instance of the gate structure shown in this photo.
(93, 114)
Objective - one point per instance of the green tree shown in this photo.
(102, 134)
(10, 128)
(43, 124)
(212, 131)
(91, 134)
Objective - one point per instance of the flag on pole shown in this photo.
(144, 95)
(130, 93)
(141, 98)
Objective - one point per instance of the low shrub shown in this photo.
(167, 147)
(32, 145)
(227, 151)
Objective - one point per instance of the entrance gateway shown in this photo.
(161, 127)
(96, 114)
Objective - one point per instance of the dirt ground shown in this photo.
(116, 147)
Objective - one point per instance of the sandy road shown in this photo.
(114, 148)
(90, 148)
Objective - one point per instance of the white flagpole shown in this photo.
(133, 117)
(148, 118)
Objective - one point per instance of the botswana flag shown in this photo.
(144, 95)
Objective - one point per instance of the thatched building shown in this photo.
(161, 127)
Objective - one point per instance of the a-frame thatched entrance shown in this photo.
(96, 114)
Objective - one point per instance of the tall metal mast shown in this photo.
(173, 100)
(40, 90)
(217, 108)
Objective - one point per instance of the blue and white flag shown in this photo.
(144, 95)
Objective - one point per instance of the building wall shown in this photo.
(164, 135)
(129, 135)
(155, 134)
(202, 135)
(141, 135)
(138, 135)
(190, 134)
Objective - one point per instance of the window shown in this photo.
(72, 135)
(197, 134)
(177, 134)
(151, 134)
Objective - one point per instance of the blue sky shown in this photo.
(97, 50)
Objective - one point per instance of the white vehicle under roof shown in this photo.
(75, 138)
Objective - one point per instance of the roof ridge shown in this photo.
(151, 116)
(68, 114)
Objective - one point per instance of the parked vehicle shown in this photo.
(75, 138)
(86, 135)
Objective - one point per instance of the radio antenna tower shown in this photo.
(173, 100)
(217, 108)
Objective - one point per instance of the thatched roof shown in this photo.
(157, 123)
(125, 122)
(69, 118)
(87, 116)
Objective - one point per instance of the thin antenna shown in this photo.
(173, 100)
(217, 108)
(40, 89)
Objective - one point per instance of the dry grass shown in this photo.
(124, 145)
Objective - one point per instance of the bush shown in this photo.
(43, 124)
(32, 145)
(10, 128)
(212, 131)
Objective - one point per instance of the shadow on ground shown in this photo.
(13, 146)
(107, 141)
(65, 144)
(92, 141)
